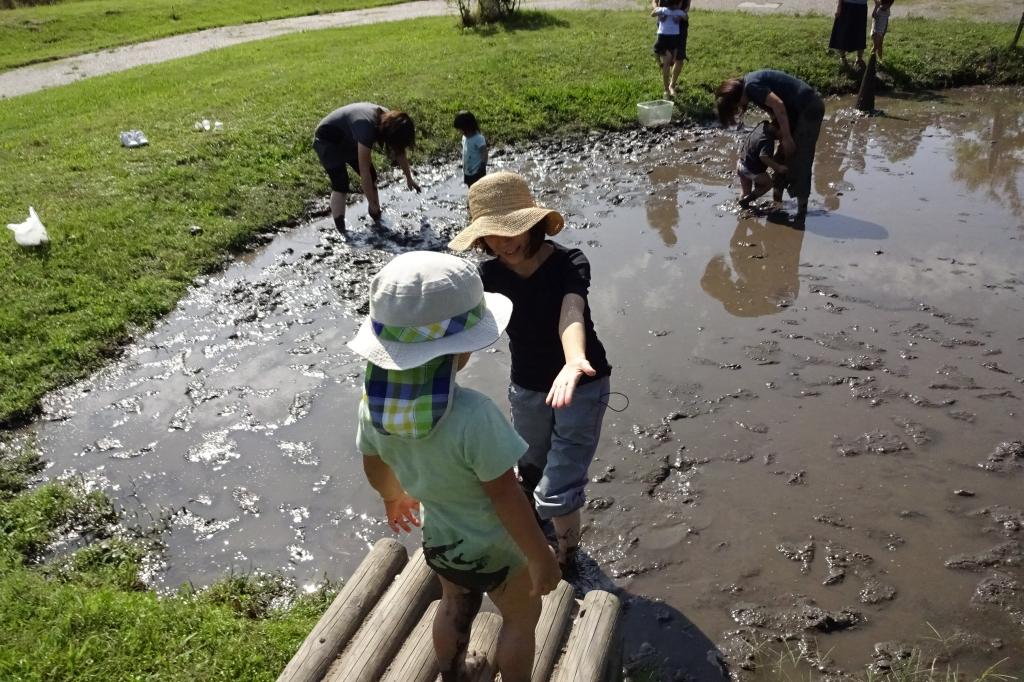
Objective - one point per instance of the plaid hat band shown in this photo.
(431, 332)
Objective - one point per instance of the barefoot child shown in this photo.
(559, 369)
(670, 47)
(880, 24)
(474, 147)
(426, 439)
(757, 157)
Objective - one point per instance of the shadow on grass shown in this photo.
(523, 20)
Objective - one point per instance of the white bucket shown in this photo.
(655, 113)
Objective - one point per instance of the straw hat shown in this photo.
(500, 204)
(425, 304)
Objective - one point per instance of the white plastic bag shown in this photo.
(31, 232)
(133, 138)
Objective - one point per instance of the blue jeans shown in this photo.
(561, 443)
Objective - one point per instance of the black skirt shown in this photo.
(849, 31)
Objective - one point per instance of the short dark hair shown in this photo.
(727, 100)
(465, 120)
(537, 235)
(397, 131)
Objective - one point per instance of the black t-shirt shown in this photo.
(793, 92)
(759, 142)
(537, 355)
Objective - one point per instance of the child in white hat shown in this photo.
(560, 373)
(427, 440)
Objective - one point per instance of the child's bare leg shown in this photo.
(876, 39)
(666, 71)
(452, 623)
(676, 68)
(762, 183)
(519, 614)
(745, 186)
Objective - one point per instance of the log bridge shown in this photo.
(378, 629)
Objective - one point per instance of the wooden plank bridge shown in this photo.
(378, 629)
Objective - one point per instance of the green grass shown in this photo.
(121, 253)
(85, 615)
(36, 34)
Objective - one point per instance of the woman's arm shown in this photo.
(400, 507)
(483, 154)
(403, 163)
(778, 107)
(366, 180)
(574, 346)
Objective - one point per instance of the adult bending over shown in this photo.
(797, 108)
(346, 136)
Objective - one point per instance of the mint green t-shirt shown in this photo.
(473, 442)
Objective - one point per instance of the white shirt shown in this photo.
(669, 20)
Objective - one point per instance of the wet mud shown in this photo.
(822, 441)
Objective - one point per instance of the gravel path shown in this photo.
(36, 77)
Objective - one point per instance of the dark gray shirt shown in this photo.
(345, 128)
(793, 92)
(759, 142)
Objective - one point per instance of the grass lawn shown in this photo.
(85, 616)
(36, 34)
(121, 252)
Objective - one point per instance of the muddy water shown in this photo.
(819, 438)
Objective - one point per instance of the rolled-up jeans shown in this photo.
(561, 444)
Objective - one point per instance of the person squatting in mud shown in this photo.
(797, 108)
(560, 375)
(757, 156)
(425, 439)
(345, 138)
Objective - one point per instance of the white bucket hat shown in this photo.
(424, 305)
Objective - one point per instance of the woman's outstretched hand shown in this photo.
(565, 383)
(402, 513)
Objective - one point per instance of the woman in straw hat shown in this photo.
(560, 375)
(427, 440)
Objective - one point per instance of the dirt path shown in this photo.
(36, 77)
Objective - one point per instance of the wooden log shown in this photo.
(593, 640)
(343, 617)
(555, 615)
(483, 645)
(415, 661)
(381, 636)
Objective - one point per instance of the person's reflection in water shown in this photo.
(663, 205)
(764, 272)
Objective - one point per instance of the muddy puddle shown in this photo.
(822, 442)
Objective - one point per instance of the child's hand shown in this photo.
(544, 575)
(781, 169)
(401, 513)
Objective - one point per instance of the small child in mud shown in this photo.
(474, 147)
(670, 46)
(757, 157)
(426, 439)
(880, 24)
